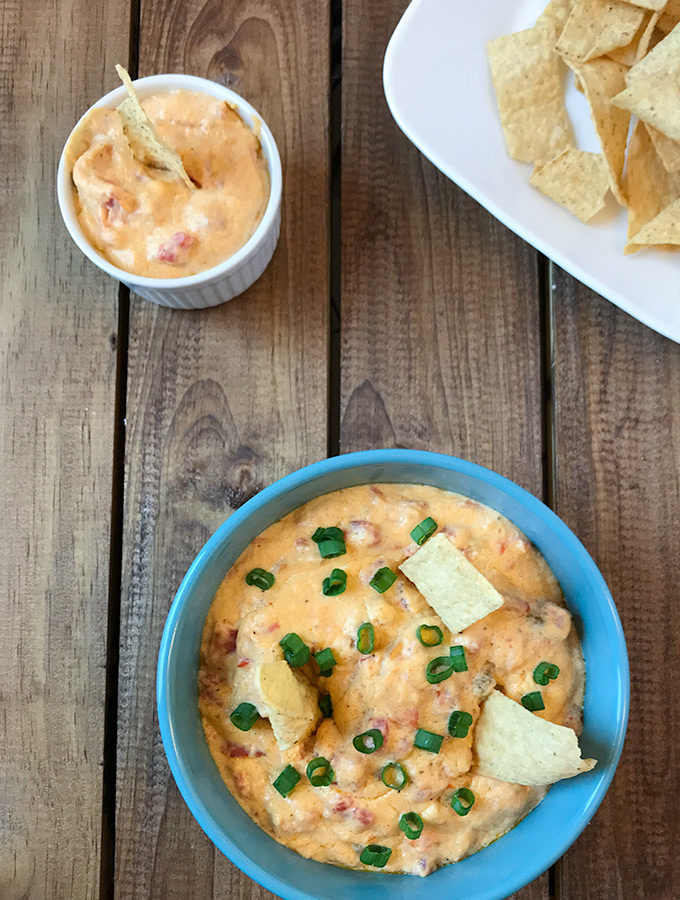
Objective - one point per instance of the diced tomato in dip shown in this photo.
(385, 689)
(150, 223)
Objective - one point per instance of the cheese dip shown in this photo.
(398, 768)
(145, 220)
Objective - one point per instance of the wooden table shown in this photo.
(396, 312)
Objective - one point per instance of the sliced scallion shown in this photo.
(383, 579)
(326, 661)
(319, 772)
(428, 740)
(365, 638)
(335, 583)
(459, 723)
(295, 651)
(457, 654)
(462, 801)
(394, 776)
(439, 669)
(368, 741)
(260, 578)
(424, 530)
(375, 855)
(429, 635)
(326, 705)
(286, 781)
(412, 825)
(331, 542)
(244, 716)
(545, 672)
(533, 701)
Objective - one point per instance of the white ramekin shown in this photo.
(234, 275)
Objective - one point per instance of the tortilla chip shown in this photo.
(529, 81)
(514, 745)
(670, 16)
(664, 229)
(596, 27)
(555, 16)
(651, 189)
(653, 92)
(601, 80)
(577, 180)
(144, 142)
(655, 5)
(647, 35)
(456, 591)
(286, 700)
(667, 149)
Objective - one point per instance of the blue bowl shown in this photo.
(513, 860)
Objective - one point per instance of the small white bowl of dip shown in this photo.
(235, 274)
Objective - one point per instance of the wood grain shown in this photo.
(617, 448)
(441, 331)
(220, 403)
(58, 335)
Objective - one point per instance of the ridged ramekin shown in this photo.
(219, 283)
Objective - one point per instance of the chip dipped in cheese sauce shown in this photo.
(147, 220)
(340, 709)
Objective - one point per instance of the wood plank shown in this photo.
(58, 335)
(220, 403)
(441, 331)
(617, 450)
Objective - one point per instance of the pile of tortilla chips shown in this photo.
(625, 56)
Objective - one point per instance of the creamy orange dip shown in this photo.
(385, 689)
(146, 221)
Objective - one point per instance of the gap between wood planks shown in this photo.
(108, 832)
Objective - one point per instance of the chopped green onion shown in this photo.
(335, 584)
(458, 658)
(383, 579)
(462, 801)
(533, 701)
(286, 781)
(424, 530)
(439, 669)
(319, 772)
(427, 740)
(412, 825)
(394, 776)
(326, 661)
(429, 635)
(459, 723)
(368, 741)
(375, 855)
(326, 705)
(295, 650)
(244, 716)
(331, 542)
(545, 672)
(365, 638)
(260, 578)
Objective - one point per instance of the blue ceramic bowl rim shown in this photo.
(218, 835)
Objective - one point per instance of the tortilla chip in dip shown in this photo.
(144, 141)
(512, 744)
(529, 80)
(601, 79)
(287, 701)
(456, 591)
(576, 179)
(595, 27)
(653, 87)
